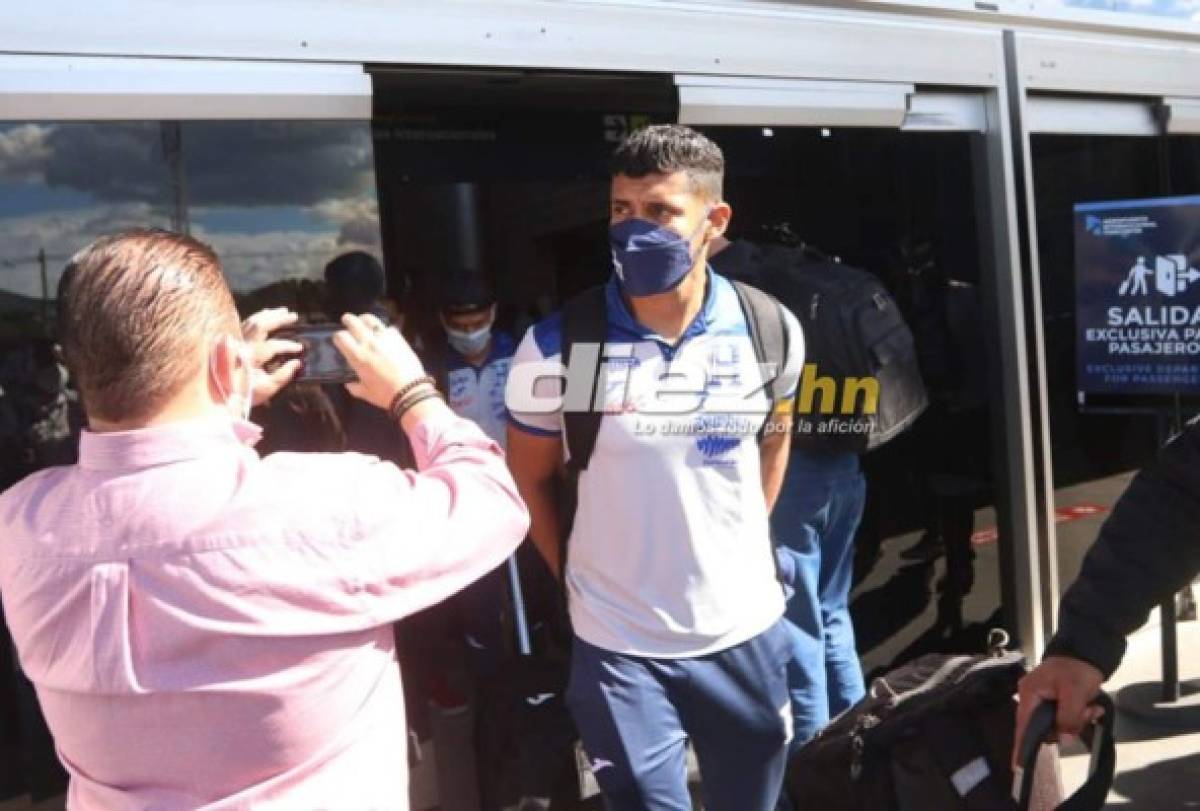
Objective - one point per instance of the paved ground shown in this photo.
(1158, 767)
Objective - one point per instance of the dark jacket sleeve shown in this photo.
(1148, 549)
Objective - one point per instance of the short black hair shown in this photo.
(354, 283)
(667, 148)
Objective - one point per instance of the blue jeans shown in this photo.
(814, 522)
(636, 714)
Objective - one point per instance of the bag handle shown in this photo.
(1092, 795)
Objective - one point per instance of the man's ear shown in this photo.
(719, 218)
(224, 361)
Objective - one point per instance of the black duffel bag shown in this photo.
(937, 734)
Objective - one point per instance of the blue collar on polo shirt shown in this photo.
(622, 319)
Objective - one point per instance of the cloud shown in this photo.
(251, 260)
(347, 209)
(256, 260)
(356, 217)
(324, 168)
(24, 152)
(223, 163)
(273, 163)
(60, 235)
(362, 232)
(119, 163)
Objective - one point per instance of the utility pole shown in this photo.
(172, 144)
(45, 290)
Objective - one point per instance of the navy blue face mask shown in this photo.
(648, 258)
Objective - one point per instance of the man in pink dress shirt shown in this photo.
(211, 629)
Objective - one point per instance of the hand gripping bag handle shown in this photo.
(1092, 794)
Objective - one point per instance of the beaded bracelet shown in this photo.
(404, 394)
(406, 405)
(412, 384)
(407, 388)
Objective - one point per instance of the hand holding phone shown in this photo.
(383, 360)
(270, 371)
(321, 359)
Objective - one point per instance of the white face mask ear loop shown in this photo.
(226, 396)
(248, 398)
(216, 378)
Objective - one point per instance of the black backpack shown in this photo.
(938, 734)
(853, 329)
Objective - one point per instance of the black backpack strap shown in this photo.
(584, 321)
(768, 334)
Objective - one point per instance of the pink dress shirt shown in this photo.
(210, 629)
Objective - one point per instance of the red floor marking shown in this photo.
(1061, 515)
(985, 536)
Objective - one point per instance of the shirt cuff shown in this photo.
(1101, 650)
(533, 429)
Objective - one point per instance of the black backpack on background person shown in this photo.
(853, 329)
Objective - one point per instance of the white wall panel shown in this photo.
(41, 88)
(1108, 65)
(755, 39)
(724, 101)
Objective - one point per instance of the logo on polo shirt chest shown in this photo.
(715, 447)
(725, 354)
(461, 392)
(718, 436)
(724, 368)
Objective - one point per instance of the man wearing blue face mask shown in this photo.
(668, 566)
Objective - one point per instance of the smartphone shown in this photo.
(323, 362)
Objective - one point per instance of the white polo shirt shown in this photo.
(477, 392)
(670, 553)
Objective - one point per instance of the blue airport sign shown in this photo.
(1137, 296)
